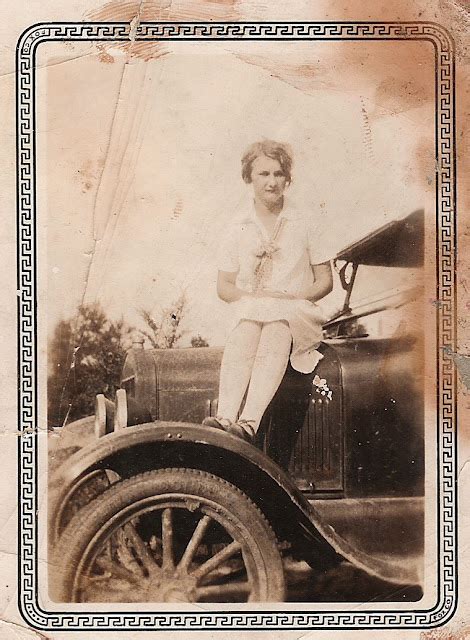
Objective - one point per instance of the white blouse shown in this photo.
(299, 245)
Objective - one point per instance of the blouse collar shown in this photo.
(289, 212)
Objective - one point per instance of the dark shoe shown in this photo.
(216, 423)
(243, 429)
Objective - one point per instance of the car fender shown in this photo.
(159, 444)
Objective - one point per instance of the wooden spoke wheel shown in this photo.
(173, 535)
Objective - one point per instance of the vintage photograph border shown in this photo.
(270, 618)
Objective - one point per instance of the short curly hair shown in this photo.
(275, 150)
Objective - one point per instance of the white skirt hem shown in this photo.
(305, 322)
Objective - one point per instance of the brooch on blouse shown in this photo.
(266, 249)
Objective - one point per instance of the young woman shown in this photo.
(272, 269)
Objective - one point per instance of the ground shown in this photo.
(344, 583)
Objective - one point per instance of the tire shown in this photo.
(79, 494)
(171, 535)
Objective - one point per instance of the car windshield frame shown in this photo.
(399, 243)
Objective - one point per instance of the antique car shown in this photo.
(148, 505)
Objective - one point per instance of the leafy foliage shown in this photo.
(199, 341)
(164, 332)
(86, 357)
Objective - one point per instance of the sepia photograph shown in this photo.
(243, 320)
(229, 421)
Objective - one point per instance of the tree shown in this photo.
(86, 357)
(199, 341)
(164, 331)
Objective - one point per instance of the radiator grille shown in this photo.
(316, 455)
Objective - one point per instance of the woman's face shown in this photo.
(268, 179)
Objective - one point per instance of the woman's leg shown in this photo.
(237, 364)
(268, 370)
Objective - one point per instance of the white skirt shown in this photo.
(305, 322)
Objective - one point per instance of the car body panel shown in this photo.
(326, 444)
(293, 518)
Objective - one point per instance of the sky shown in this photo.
(139, 160)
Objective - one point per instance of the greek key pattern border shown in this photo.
(445, 229)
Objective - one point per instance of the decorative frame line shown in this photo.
(446, 322)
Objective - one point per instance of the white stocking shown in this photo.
(237, 364)
(268, 369)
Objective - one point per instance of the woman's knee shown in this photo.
(244, 338)
(279, 328)
(275, 341)
(248, 325)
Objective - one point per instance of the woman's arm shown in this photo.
(322, 286)
(227, 290)
(323, 282)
